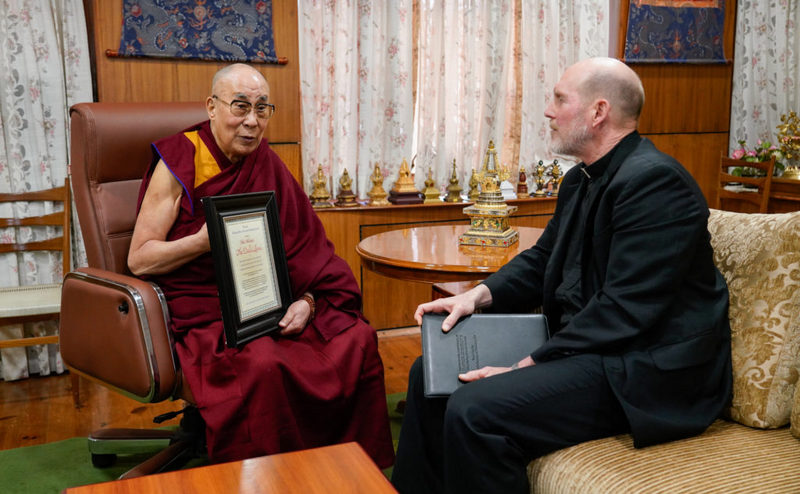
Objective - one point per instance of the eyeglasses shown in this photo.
(241, 108)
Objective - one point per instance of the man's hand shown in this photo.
(458, 306)
(296, 318)
(487, 371)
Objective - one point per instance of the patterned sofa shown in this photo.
(756, 447)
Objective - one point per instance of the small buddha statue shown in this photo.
(404, 181)
(454, 189)
(404, 191)
(522, 184)
(320, 197)
(431, 192)
(377, 195)
(346, 198)
(474, 189)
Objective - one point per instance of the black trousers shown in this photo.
(482, 437)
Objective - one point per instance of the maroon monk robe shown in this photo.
(275, 394)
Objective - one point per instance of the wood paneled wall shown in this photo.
(150, 79)
(687, 106)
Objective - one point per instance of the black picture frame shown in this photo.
(249, 262)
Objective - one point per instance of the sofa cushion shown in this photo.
(728, 457)
(759, 255)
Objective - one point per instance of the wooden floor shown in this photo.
(40, 409)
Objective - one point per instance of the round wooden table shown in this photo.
(432, 254)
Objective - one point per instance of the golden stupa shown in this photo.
(454, 189)
(431, 192)
(489, 215)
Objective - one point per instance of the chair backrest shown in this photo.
(60, 243)
(110, 152)
(758, 192)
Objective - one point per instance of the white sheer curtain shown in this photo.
(355, 82)
(44, 68)
(484, 71)
(465, 75)
(554, 36)
(766, 72)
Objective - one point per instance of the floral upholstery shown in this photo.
(759, 255)
(796, 414)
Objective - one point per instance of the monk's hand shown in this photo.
(296, 318)
(487, 371)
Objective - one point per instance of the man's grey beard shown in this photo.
(573, 143)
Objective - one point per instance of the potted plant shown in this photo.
(763, 151)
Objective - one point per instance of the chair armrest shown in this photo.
(114, 329)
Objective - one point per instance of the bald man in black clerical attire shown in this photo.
(638, 312)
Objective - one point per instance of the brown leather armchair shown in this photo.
(114, 326)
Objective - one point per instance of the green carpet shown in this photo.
(52, 467)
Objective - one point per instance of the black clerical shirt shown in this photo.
(569, 293)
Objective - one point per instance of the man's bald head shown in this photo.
(595, 104)
(610, 79)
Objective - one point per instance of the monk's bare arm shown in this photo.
(150, 252)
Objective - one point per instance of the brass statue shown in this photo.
(454, 189)
(474, 190)
(539, 172)
(404, 182)
(431, 192)
(377, 196)
(346, 198)
(555, 172)
(404, 190)
(320, 197)
(789, 139)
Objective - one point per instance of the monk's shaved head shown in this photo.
(231, 72)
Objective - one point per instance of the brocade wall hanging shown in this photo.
(218, 30)
(675, 31)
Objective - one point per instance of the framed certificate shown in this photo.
(250, 264)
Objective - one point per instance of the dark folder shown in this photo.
(499, 340)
